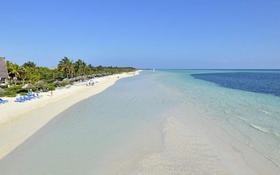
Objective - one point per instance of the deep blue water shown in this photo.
(260, 82)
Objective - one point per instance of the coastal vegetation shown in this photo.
(45, 79)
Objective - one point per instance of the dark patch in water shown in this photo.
(268, 83)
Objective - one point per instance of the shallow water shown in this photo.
(154, 123)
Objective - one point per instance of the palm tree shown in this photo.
(66, 66)
(22, 73)
(13, 71)
(29, 64)
(80, 67)
(71, 70)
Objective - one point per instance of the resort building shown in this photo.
(3, 70)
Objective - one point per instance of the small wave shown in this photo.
(265, 130)
(262, 129)
(266, 112)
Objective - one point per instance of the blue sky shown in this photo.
(144, 33)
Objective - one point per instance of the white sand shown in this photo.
(195, 145)
(19, 121)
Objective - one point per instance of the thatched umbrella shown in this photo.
(28, 86)
(2, 90)
(58, 83)
(72, 79)
(40, 82)
(55, 82)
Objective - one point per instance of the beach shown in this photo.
(140, 87)
(157, 123)
(19, 121)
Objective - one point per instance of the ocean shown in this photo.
(166, 122)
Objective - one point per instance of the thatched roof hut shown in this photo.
(3, 70)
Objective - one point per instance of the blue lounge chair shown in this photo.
(20, 100)
(26, 98)
(29, 97)
(3, 101)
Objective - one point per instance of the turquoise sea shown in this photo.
(162, 122)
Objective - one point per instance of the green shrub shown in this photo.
(13, 91)
(51, 87)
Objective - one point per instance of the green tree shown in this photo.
(80, 67)
(29, 64)
(66, 66)
(13, 70)
(22, 73)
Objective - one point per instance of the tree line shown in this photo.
(66, 68)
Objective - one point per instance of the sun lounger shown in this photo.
(3, 101)
(20, 99)
(29, 97)
(37, 95)
(26, 98)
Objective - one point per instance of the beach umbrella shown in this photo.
(73, 79)
(2, 90)
(28, 86)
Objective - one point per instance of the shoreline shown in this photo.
(19, 121)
